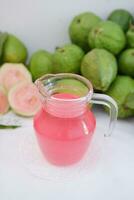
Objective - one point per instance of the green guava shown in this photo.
(100, 67)
(4, 105)
(72, 86)
(3, 38)
(13, 73)
(122, 91)
(14, 51)
(80, 27)
(67, 59)
(122, 17)
(130, 36)
(107, 35)
(40, 64)
(24, 100)
(126, 62)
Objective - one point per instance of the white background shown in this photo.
(44, 24)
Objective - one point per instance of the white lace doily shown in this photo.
(11, 119)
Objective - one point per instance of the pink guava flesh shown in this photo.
(11, 73)
(24, 99)
(15, 77)
(4, 105)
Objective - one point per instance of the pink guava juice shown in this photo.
(64, 140)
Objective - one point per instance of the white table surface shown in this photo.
(112, 178)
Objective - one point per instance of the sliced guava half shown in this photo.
(24, 99)
(12, 73)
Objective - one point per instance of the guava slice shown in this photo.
(4, 105)
(11, 73)
(24, 99)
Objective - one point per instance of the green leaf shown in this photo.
(8, 126)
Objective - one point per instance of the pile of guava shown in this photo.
(109, 54)
(100, 50)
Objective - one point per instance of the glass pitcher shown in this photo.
(65, 125)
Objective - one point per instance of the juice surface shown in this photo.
(64, 141)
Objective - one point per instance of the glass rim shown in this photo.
(88, 84)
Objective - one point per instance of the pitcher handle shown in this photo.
(113, 108)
